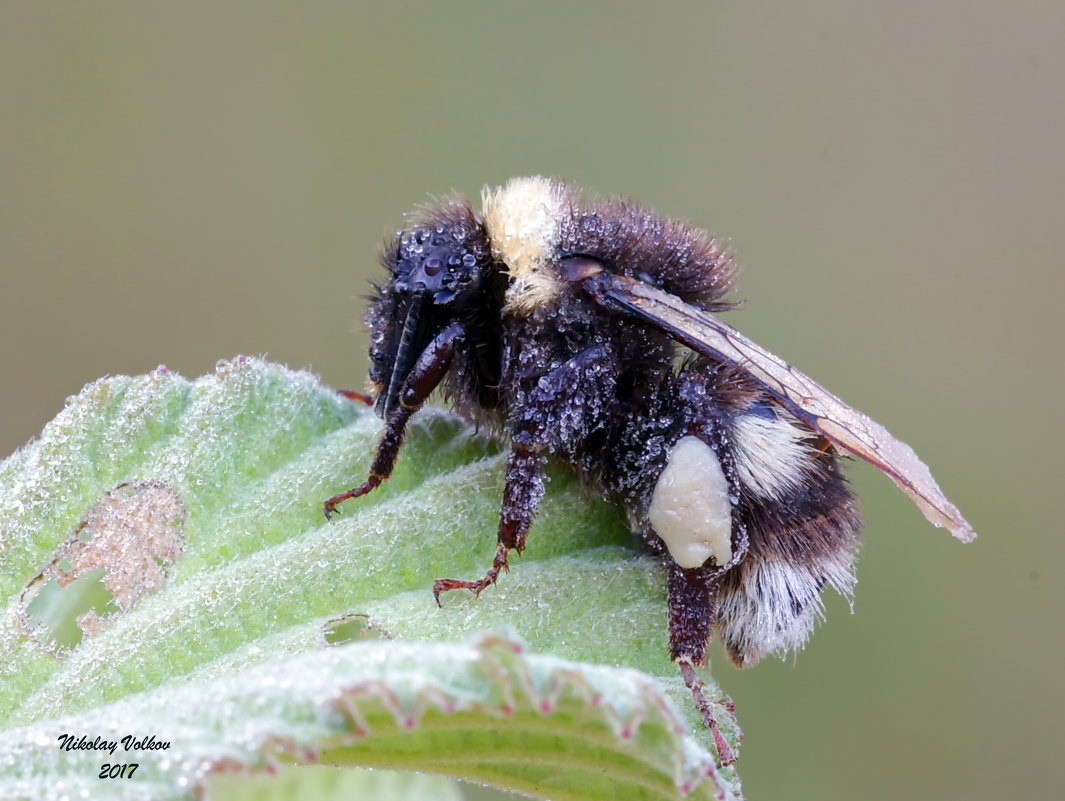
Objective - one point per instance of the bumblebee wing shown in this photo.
(805, 398)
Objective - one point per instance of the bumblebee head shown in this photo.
(438, 272)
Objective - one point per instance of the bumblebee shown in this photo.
(584, 329)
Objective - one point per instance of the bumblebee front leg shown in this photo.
(427, 373)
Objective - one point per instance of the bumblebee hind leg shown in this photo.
(692, 594)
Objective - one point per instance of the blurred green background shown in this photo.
(183, 182)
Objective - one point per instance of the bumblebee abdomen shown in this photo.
(793, 522)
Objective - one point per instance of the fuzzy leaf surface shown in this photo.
(168, 572)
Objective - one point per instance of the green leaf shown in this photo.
(169, 573)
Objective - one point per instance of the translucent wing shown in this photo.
(805, 398)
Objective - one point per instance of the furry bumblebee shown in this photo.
(554, 320)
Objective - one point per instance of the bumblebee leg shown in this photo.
(384, 460)
(558, 411)
(692, 595)
(724, 751)
(423, 378)
(357, 397)
(521, 499)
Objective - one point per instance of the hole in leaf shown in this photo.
(123, 549)
(351, 628)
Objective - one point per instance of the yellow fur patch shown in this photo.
(522, 220)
